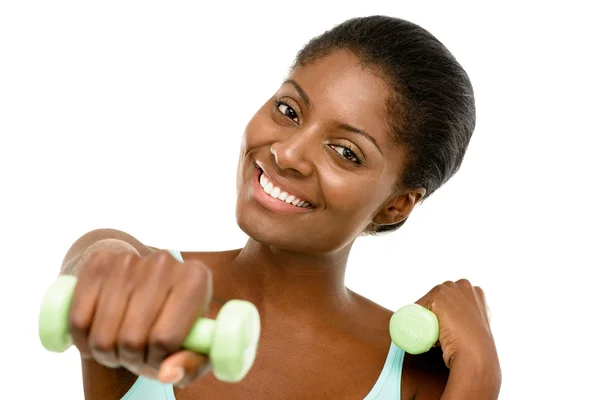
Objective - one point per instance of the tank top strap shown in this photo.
(387, 386)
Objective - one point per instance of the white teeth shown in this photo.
(269, 188)
(277, 193)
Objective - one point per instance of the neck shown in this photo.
(293, 282)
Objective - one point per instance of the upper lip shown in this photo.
(287, 187)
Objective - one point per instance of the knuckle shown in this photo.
(79, 322)
(165, 342)
(162, 256)
(131, 344)
(160, 263)
(199, 275)
(432, 303)
(127, 265)
(439, 293)
(126, 259)
(463, 282)
(97, 265)
(100, 262)
(95, 258)
(101, 344)
(98, 259)
(437, 290)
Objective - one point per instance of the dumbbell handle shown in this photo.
(54, 316)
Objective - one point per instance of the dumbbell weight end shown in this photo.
(414, 329)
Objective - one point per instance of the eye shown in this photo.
(347, 153)
(288, 111)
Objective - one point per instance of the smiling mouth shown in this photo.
(280, 194)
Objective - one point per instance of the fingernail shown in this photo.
(174, 375)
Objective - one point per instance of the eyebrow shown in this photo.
(352, 129)
(346, 127)
(300, 91)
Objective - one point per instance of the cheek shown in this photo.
(257, 134)
(354, 196)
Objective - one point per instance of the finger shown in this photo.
(473, 293)
(183, 367)
(476, 294)
(184, 305)
(83, 303)
(110, 310)
(438, 292)
(452, 284)
(466, 288)
(142, 310)
(480, 294)
(428, 302)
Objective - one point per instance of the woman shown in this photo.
(375, 115)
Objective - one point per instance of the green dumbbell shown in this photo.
(230, 340)
(414, 329)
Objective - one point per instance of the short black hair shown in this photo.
(432, 106)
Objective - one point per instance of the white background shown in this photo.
(123, 115)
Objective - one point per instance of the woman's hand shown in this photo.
(136, 312)
(466, 339)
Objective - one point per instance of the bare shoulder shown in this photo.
(211, 257)
(224, 280)
(216, 261)
(375, 314)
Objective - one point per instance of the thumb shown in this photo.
(183, 367)
(425, 302)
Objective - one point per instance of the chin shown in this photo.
(311, 239)
(261, 230)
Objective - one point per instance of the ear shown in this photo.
(399, 207)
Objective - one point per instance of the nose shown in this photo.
(291, 153)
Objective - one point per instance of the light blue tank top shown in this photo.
(387, 386)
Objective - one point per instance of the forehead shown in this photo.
(340, 86)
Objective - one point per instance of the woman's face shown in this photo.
(317, 165)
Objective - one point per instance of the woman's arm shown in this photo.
(100, 382)
(468, 379)
(467, 344)
(473, 380)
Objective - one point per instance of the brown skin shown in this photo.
(327, 341)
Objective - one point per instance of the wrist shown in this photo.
(474, 376)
